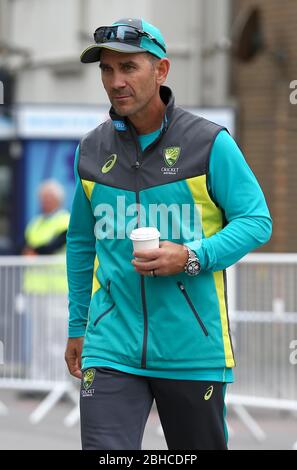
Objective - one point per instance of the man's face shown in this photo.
(130, 80)
(48, 201)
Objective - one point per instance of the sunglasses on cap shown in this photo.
(128, 34)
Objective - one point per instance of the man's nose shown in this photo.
(118, 81)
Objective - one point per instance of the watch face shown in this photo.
(193, 268)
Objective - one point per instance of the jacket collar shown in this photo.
(121, 123)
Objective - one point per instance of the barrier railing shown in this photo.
(33, 329)
(262, 299)
(263, 316)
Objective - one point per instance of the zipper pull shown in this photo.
(136, 165)
(181, 286)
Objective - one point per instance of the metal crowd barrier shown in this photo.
(263, 316)
(262, 300)
(33, 329)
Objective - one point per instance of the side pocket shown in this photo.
(190, 303)
(103, 314)
(109, 309)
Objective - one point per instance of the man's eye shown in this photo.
(128, 67)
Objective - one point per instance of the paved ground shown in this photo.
(16, 432)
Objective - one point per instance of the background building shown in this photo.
(40, 44)
(266, 119)
(57, 99)
(49, 36)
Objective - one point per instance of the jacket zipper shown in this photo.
(106, 311)
(186, 295)
(137, 166)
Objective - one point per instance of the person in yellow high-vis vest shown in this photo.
(45, 234)
(45, 286)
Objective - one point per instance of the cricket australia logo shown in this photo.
(171, 155)
(88, 379)
(109, 164)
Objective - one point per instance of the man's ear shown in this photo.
(162, 70)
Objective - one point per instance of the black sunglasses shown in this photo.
(120, 33)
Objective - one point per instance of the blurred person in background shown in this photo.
(45, 234)
(45, 285)
(153, 324)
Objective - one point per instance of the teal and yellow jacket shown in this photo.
(195, 186)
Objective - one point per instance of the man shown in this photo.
(154, 323)
(45, 287)
(45, 234)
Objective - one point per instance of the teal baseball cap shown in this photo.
(129, 35)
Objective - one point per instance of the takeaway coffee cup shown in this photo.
(145, 238)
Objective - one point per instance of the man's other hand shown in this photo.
(73, 356)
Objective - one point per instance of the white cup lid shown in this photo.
(145, 233)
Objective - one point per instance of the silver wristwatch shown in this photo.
(192, 266)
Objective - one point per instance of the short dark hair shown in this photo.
(152, 58)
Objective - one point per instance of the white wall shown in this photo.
(56, 31)
(216, 65)
(48, 28)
